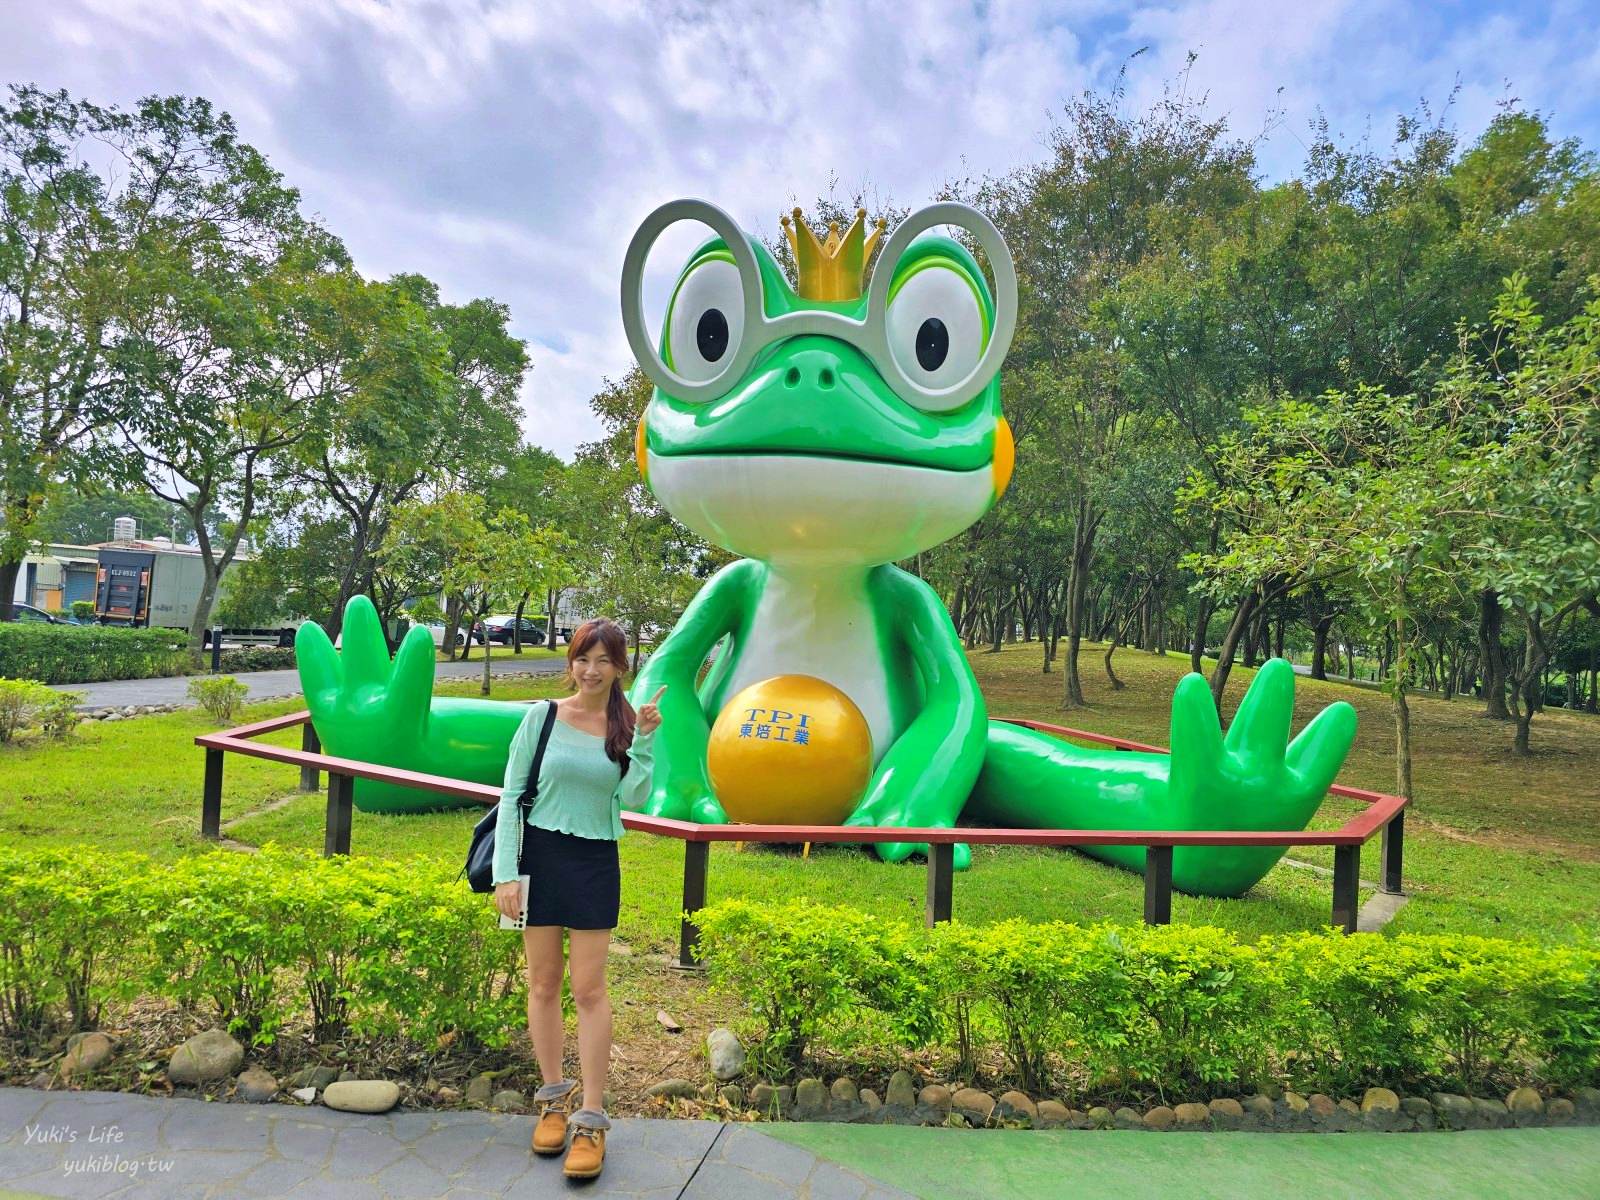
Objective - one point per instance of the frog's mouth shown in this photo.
(818, 510)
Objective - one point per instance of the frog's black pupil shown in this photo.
(933, 344)
(711, 334)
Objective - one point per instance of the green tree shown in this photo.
(61, 266)
(217, 345)
(431, 404)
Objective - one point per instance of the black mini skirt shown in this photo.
(573, 881)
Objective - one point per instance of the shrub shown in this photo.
(360, 946)
(804, 967)
(220, 929)
(64, 927)
(83, 610)
(258, 658)
(85, 653)
(221, 696)
(24, 703)
(1175, 1009)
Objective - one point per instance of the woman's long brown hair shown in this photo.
(619, 713)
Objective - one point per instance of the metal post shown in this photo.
(1394, 837)
(341, 799)
(941, 881)
(1346, 886)
(211, 797)
(310, 777)
(216, 648)
(1158, 885)
(696, 861)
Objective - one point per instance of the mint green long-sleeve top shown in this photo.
(581, 791)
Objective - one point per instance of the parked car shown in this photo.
(27, 612)
(436, 628)
(499, 630)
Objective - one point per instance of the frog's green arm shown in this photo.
(680, 786)
(924, 778)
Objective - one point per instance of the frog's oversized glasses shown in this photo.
(737, 336)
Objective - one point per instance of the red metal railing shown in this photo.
(1383, 812)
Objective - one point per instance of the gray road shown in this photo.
(95, 1144)
(266, 685)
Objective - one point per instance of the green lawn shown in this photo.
(1496, 845)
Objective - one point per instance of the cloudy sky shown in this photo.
(509, 149)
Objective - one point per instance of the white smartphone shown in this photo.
(521, 918)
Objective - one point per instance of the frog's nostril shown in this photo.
(825, 377)
(791, 377)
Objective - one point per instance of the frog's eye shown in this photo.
(936, 328)
(706, 319)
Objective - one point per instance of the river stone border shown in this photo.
(1379, 1110)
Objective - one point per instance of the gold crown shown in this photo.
(831, 270)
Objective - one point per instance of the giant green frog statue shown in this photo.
(825, 430)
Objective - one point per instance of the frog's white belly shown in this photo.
(821, 625)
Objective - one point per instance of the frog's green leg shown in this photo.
(924, 778)
(680, 784)
(366, 707)
(1255, 779)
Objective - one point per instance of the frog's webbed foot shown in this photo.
(683, 800)
(880, 812)
(1255, 778)
(360, 699)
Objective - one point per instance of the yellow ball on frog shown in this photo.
(790, 750)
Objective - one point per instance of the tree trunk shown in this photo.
(1202, 622)
(1402, 740)
(488, 644)
(1490, 618)
(1077, 594)
(1319, 648)
(1230, 642)
(8, 586)
(516, 626)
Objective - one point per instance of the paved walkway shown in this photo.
(267, 685)
(101, 1144)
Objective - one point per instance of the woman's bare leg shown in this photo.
(587, 949)
(543, 946)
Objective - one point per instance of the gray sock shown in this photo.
(556, 1090)
(590, 1118)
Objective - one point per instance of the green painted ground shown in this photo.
(954, 1165)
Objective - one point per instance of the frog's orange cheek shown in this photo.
(1005, 456)
(639, 455)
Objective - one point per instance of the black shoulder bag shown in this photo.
(479, 868)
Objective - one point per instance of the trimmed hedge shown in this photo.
(1112, 1010)
(356, 946)
(258, 658)
(89, 653)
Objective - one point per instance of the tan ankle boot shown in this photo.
(587, 1155)
(550, 1134)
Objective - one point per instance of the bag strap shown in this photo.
(525, 801)
(532, 784)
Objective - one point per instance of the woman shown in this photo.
(596, 761)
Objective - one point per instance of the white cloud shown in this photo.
(509, 149)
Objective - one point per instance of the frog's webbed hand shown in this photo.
(1255, 778)
(362, 703)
